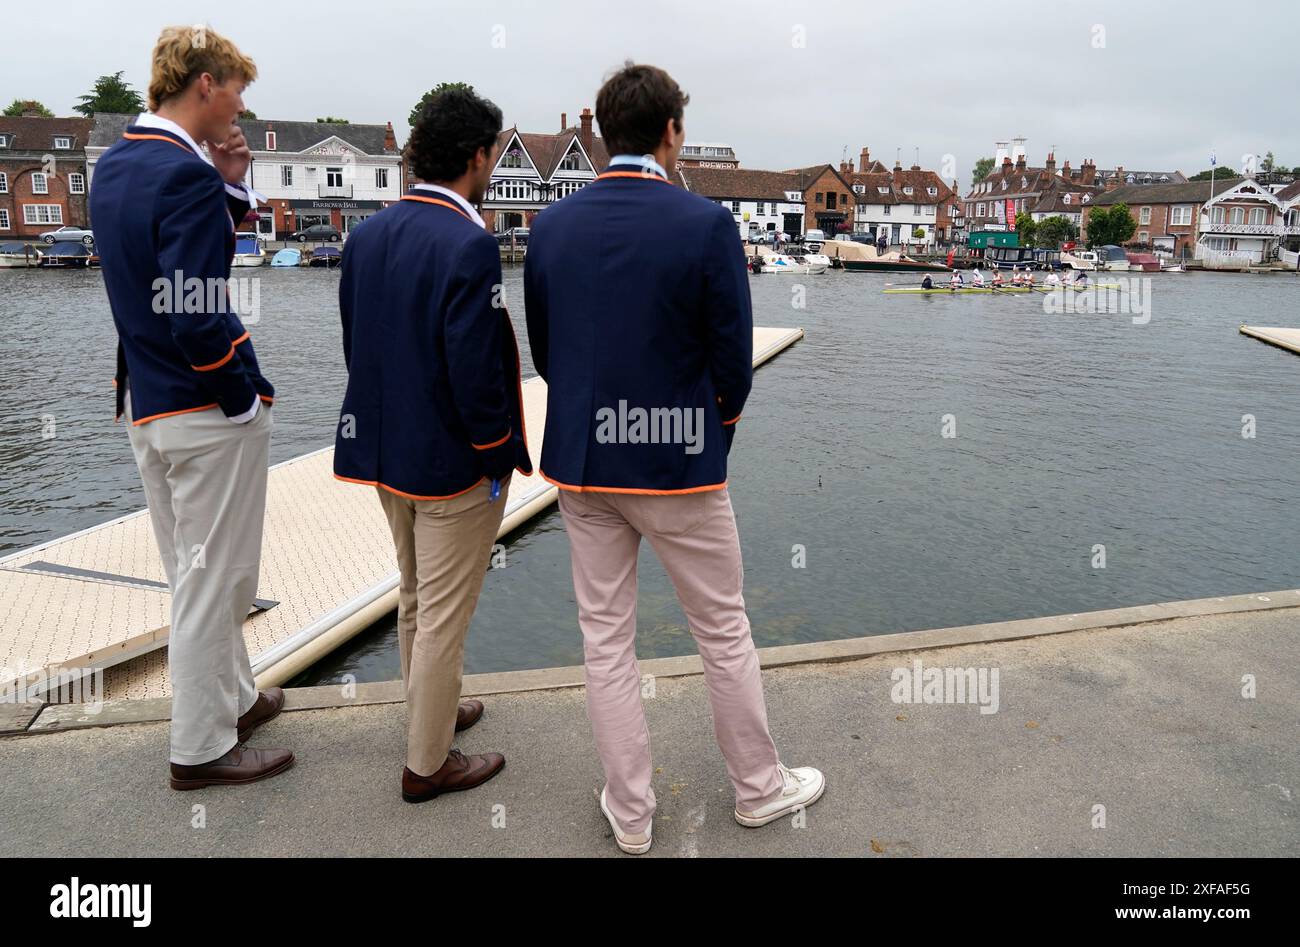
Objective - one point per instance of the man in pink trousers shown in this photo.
(638, 310)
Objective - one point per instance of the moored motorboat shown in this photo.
(786, 263)
(248, 250)
(287, 257)
(67, 255)
(325, 257)
(19, 255)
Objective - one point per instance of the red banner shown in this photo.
(1011, 214)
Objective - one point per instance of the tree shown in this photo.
(1266, 164)
(982, 168)
(1051, 232)
(1110, 225)
(1220, 174)
(331, 120)
(918, 233)
(27, 105)
(1025, 228)
(424, 99)
(110, 94)
(248, 115)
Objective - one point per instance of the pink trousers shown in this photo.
(694, 536)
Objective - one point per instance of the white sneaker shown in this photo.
(803, 786)
(633, 843)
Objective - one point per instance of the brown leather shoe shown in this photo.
(242, 764)
(467, 714)
(268, 705)
(458, 773)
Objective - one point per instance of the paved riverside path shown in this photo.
(1147, 720)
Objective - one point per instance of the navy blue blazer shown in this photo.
(434, 403)
(159, 210)
(637, 301)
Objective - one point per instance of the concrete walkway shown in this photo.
(1146, 720)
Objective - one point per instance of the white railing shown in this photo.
(1289, 258)
(1226, 259)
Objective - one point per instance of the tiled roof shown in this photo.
(289, 136)
(1141, 177)
(740, 183)
(37, 134)
(1189, 193)
(806, 176)
(547, 151)
(1289, 192)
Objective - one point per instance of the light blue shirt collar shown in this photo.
(641, 161)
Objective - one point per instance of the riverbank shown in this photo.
(1138, 710)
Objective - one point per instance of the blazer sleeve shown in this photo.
(192, 244)
(473, 339)
(535, 313)
(237, 202)
(346, 281)
(730, 320)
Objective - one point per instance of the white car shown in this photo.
(69, 234)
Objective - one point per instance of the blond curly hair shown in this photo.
(185, 52)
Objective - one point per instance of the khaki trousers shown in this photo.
(443, 548)
(694, 535)
(204, 479)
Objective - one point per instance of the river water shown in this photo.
(1072, 432)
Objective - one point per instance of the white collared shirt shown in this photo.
(641, 161)
(463, 204)
(243, 192)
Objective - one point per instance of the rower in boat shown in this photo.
(1029, 278)
(1052, 279)
(997, 278)
(977, 278)
(956, 282)
(927, 283)
(1080, 280)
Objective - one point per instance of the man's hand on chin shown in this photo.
(231, 157)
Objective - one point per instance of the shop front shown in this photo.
(344, 215)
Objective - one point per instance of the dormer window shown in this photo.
(859, 189)
(1024, 182)
(270, 141)
(1004, 184)
(907, 189)
(570, 162)
(4, 141)
(932, 190)
(62, 142)
(883, 190)
(512, 159)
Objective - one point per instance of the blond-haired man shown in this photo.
(198, 407)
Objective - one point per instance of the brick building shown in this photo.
(42, 174)
(767, 201)
(828, 198)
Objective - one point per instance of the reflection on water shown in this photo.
(1072, 431)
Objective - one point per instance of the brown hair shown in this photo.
(633, 106)
(183, 53)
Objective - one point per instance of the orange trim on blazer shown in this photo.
(733, 420)
(168, 414)
(409, 496)
(633, 490)
(631, 174)
(229, 355)
(171, 141)
(434, 200)
(497, 443)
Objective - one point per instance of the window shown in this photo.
(565, 188)
(1217, 215)
(1144, 216)
(1238, 215)
(887, 209)
(270, 141)
(762, 208)
(1004, 184)
(76, 183)
(830, 200)
(1181, 216)
(1257, 216)
(818, 197)
(286, 175)
(570, 162)
(4, 183)
(40, 183)
(979, 209)
(512, 159)
(381, 178)
(62, 142)
(859, 189)
(34, 214)
(4, 141)
(735, 206)
(932, 190)
(907, 189)
(4, 218)
(333, 177)
(1144, 236)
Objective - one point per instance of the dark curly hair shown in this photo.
(633, 106)
(452, 127)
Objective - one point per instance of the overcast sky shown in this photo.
(1149, 86)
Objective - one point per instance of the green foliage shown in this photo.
(1051, 232)
(1220, 174)
(110, 94)
(982, 168)
(918, 233)
(1025, 229)
(424, 99)
(27, 105)
(331, 120)
(248, 114)
(1110, 225)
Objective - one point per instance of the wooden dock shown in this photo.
(1283, 338)
(98, 598)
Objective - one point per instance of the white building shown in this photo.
(766, 201)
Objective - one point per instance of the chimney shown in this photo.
(916, 167)
(1116, 179)
(1050, 165)
(866, 159)
(564, 121)
(1020, 162)
(585, 134)
(31, 109)
(1088, 172)
(898, 165)
(850, 166)
(390, 140)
